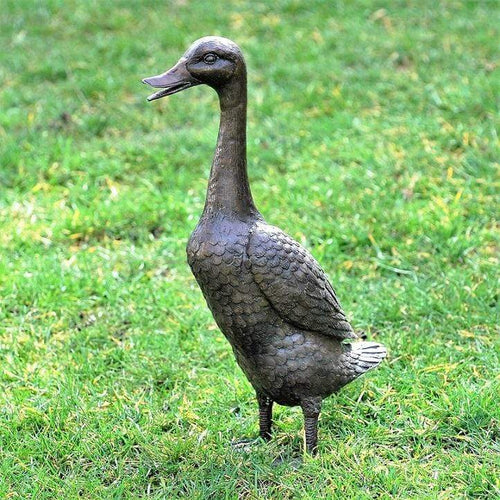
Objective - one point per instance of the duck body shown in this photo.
(267, 294)
(281, 360)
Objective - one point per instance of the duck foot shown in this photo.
(245, 444)
(294, 463)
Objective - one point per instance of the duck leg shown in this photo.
(265, 416)
(311, 408)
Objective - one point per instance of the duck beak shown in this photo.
(172, 81)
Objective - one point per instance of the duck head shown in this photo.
(211, 60)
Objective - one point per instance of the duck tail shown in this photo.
(359, 357)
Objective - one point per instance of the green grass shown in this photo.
(372, 139)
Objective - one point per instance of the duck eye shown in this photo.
(210, 58)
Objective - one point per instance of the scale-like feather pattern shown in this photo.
(294, 283)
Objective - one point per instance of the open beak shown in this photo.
(172, 81)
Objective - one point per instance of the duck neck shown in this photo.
(228, 188)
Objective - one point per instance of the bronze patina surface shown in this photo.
(268, 295)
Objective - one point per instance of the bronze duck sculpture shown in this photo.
(268, 295)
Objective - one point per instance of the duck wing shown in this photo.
(294, 283)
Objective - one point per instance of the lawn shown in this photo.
(373, 140)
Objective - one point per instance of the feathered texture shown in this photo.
(360, 357)
(294, 283)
